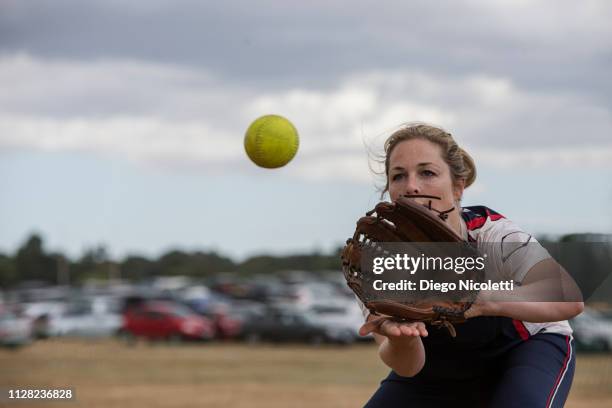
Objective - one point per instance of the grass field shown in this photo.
(110, 374)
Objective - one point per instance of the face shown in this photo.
(416, 167)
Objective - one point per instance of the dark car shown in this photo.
(158, 320)
(227, 324)
(291, 326)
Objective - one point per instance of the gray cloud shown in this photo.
(540, 44)
(172, 115)
(505, 76)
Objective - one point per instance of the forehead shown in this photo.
(415, 151)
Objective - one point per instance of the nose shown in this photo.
(412, 185)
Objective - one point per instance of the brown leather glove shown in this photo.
(407, 221)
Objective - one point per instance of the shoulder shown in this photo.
(486, 224)
(482, 221)
(504, 240)
(476, 216)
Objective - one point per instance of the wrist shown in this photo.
(489, 308)
(483, 308)
(404, 355)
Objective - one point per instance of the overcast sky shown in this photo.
(122, 123)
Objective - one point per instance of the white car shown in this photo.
(42, 314)
(14, 331)
(89, 317)
(346, 316)
(592, 331)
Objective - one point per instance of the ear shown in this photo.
(458, 188)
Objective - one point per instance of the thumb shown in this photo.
(473, 311)
(371, 325)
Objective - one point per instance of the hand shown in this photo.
(482, 306)
(387, 327)
(474, 311)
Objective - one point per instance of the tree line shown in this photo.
(588, 257)
(31, 262)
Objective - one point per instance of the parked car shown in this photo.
(41, 327)
(245, 312)
(305, 294)
(347, 316)
(592, 331)
(14, 331)
(227, 326)
(293, 326)
(96, 316)
(163, 320)
(43, 314)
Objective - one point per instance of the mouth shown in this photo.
(429, 202)
(423, 199)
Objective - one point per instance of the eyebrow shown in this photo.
(418, 165)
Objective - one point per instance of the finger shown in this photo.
(473, 311)
(371, 326)
(409, 330)
(422, 330)
(389, 328)
(367, 328)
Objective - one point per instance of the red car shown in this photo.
(226, 326)
(166, 320)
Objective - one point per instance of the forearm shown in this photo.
(547, 295)
(404, 355)
(536, 312)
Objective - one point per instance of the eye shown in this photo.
(428, 173)
(397, 176)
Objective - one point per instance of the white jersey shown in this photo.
(485, 226)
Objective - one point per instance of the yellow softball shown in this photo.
(271, 141)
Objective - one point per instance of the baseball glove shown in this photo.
(402, 221)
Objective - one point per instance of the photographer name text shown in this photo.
(424, 284)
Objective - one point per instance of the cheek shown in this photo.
(437, 184)
(450, 193)
(394, 191)
(441, 187)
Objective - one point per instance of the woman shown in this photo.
(507, 354)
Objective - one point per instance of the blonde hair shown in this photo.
(461, 164)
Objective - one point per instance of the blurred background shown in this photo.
(145, 260)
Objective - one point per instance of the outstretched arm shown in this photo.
(547, 294)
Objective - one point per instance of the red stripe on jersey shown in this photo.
(475, 223)
(480, 220)
(561, 373)
(521, 329)
(493, 215)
